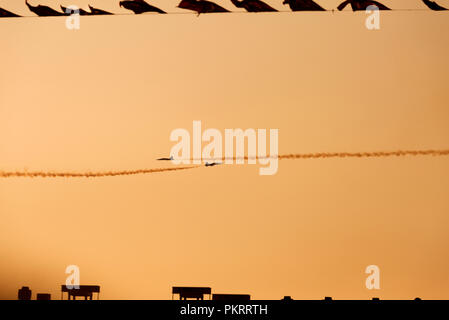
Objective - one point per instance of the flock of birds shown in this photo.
(205, 6)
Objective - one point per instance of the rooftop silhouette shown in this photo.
(43, 296)
(24, 293)
(198, 293)
(85, 291)
(230, 296)
(191, 292)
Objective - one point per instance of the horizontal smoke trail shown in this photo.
(378, 154)
(398, 153)
(43, 174)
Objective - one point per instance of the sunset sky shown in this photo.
(107, 96)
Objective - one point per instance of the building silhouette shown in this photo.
(83, 291)
(24, 293)
(191, 292)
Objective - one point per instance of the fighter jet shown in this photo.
(433, 5)
(95, 11)
(303, 5)
(7, 14)
(165, 159)
(139, 6)
(253, 5)
(362, 5)
(201, 6)
(43, 11)
(211, 164)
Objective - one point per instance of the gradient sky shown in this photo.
(108, 95)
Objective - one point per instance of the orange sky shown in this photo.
(108, 95)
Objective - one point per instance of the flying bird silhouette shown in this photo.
(433, 5)
(201, 6)
(303, 5)
(80, 11)
(43, 11)
(253, 5)
(139, 6)
(165, 159)
(95, 11)
(7, 14)
(362, 5)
